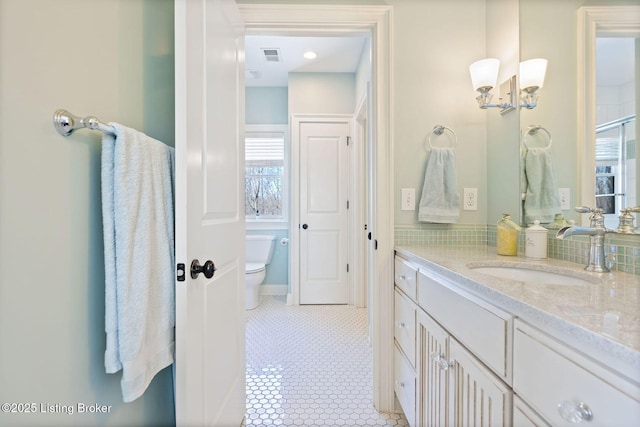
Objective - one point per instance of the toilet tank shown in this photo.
(259, 248)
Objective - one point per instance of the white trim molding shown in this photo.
(327, 20)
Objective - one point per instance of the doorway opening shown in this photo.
(305, 20)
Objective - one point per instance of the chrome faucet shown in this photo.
(596, 232)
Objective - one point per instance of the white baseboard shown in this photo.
(274, 289)
(289, 299)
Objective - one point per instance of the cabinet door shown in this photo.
(434, 408)
(479, 397)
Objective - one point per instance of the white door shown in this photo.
(210, 318)
(324, 216)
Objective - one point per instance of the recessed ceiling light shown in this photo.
(310, 55)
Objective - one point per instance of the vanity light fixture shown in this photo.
(484, 75)
(532, 73)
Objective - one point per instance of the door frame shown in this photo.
(360, 202)
(328, 20)
(294, 223)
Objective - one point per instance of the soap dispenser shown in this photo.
(507, 236)
(536, 241)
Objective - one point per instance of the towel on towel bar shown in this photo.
(440, 201)
(137, 213)
(542, 200)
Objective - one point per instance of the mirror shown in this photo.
(562, 106)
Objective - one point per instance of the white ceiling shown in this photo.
(335, 55)
(615, 58)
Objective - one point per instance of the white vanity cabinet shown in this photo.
(450, 365)
(566, 388)
(494, 361)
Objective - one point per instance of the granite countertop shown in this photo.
(600, 319)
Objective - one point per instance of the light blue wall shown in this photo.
(322, 93)
(266, 106)
(112, 59)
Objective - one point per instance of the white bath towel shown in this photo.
(440, 201)
(138, 225)
(542, 200)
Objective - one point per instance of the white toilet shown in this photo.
(259, 251)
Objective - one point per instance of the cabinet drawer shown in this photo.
(405, 326)
(482, 328)
(405, 385)
(550, 376)
(405, 277)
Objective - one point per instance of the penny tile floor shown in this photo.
(310, 365)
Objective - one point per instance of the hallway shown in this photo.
(310, 365)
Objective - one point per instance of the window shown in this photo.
(265, 173)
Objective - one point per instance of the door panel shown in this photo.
(210, 352)
(324, 184)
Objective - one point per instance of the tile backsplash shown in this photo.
(623, 252)
(441, 234)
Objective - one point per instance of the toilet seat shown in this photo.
(252, 267)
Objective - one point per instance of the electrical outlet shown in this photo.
(565, 198)
(470, 199)
(408, 199)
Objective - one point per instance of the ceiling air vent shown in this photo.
(271, 54)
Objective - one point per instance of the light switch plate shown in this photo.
(408, 199)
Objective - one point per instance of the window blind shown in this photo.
(264, 151)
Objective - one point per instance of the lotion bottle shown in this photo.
(507, 236)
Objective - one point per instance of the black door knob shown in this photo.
(208, 269)
(305, 226)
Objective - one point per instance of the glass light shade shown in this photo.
(532, 73)
(484, 73)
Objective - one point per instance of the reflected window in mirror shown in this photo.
(615, 144)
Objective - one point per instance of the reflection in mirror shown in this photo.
(615, 144)
(606, 131)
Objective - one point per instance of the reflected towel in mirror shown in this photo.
(542, 200)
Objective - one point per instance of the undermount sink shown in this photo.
(533, 273)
